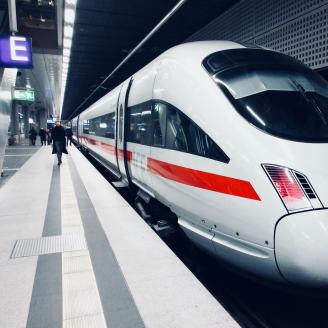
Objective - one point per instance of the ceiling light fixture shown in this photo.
(68, 31)
(67, 43)
(69, 18)
(67, 52)
(69, 15)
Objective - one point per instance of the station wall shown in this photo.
(296, 27)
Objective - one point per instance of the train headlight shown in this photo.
(294, 188)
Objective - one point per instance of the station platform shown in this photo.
(73, 253)
(15, 157)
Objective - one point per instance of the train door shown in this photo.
(80, 130)
(77, 129)
(116, 131)
(138, 142)
(123, 155)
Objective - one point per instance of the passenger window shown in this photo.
(183, 134)
(176, 129)
(159, 124)
(120, 129)
(74, 126)
(105, 127)
(93, 126)
(110, 133)
(202, 145)
(139, 123)
(102, 126)
(134, 124)
(86, 126)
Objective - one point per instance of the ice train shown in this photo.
(234, 141)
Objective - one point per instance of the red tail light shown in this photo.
(287, 187)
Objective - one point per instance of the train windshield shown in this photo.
(274, 92)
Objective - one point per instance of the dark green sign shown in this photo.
(24, 94)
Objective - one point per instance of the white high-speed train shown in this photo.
(234, 141)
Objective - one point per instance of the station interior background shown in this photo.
(105, 32)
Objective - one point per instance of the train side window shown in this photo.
(134, 122)
(146, 121)
(159, 124)
(105, 126)
(74, 126)
(120, 129)
(102, 126)
(201, 144)
(176, 128)
(93, 126)
(183, 134)
(110, 121)
(86, 125)
(139, 124)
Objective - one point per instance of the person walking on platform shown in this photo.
(43, 136)
(59, 141)
(69, 136)
(32, 135)
(48, 132)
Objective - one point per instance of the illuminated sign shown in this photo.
(24, 94)
(15, 51)
(52, 119)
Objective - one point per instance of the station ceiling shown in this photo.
(39, 20)
(106, 31)
(45, 79)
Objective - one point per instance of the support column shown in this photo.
(26, 116)
(43, 118)
(12, 16)
(14, 127)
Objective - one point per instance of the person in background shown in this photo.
(49, 140)
(59, 141)
(69, 136)
(32, 135)
(43, 136)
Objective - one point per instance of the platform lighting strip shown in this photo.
(69, 19)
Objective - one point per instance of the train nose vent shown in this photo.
(303, 181)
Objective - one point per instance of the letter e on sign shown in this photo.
(16, 51)
(18, 43)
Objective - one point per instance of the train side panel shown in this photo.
(99, 115)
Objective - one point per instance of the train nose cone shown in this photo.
(301, 246)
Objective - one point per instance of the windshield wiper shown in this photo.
(299, 88)
(309, 99)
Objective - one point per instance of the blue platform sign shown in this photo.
(15, 51)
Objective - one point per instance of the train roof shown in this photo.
(188, 53)
(198, 50)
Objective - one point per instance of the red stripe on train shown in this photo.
(128, 154)
(203, 180)
(191, 177)
(109, 148)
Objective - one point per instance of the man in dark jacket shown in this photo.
(32, 135)
(59, 141)
(43, 136)
(69, 136)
